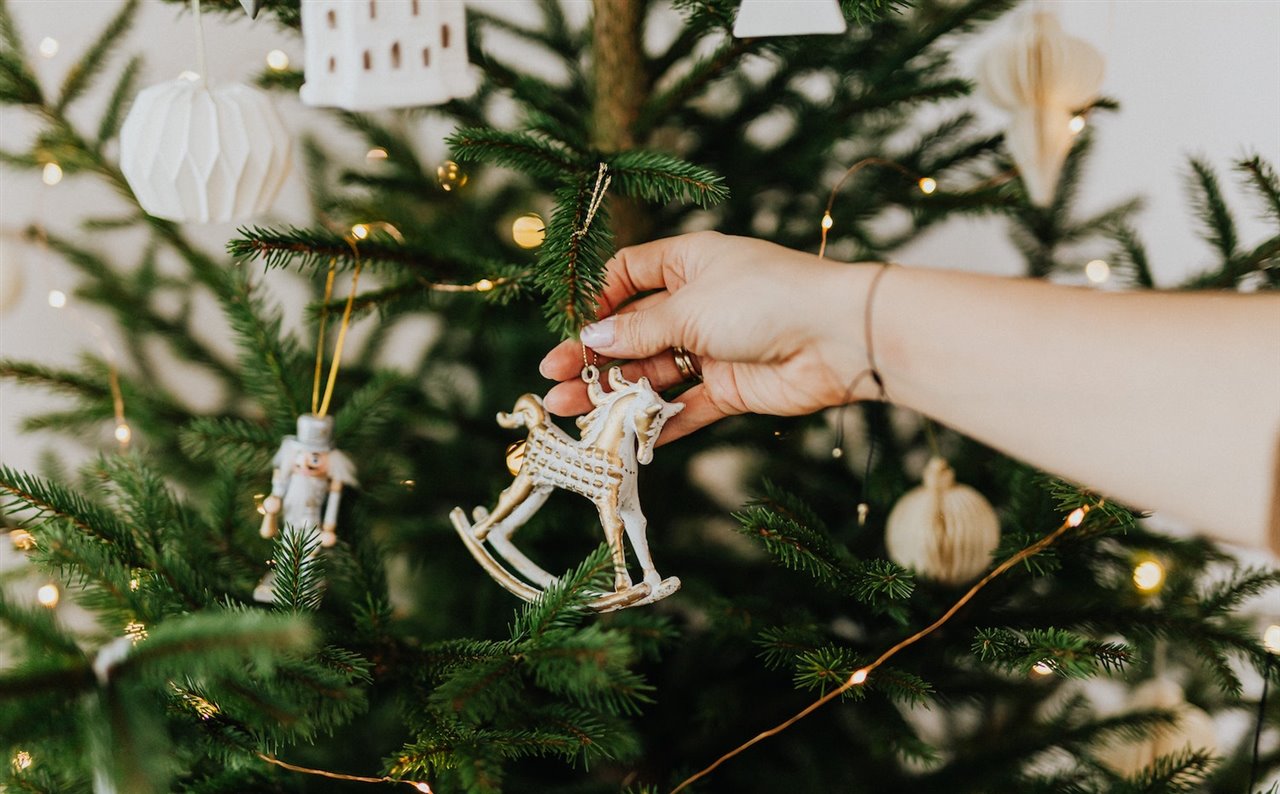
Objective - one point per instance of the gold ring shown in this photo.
(684, 363)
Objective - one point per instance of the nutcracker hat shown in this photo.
(315, 433)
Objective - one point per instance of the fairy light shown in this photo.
(859, 676)
(376, 153)
(483, 285)
(22, 540)
(136, 630)
(22, 760)
(278, 60)
(123, 434)
(135, 583)
(827, 221)
(837, 453)
(1148, 576)
(57, 298)
(360, 231)
(51, 174)
(49, 47)
(528, 230)
(927, 185)
(1042, 668)
(1076, 125)
(1271, 639)
(48, 596)
(1076, 518)
(189, 76)
(1097, 271)
(423, 787)
(408, 485)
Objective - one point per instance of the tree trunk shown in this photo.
(621, 88)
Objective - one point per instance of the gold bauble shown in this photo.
(450, 176)
(529, 230)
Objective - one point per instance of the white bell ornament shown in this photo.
(377, 54)
(942, 530)
(1193, 730)
(758, 18)
(1041, 75)
(198, 154)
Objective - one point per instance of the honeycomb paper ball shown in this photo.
(205, 155)
(943, 530)
(1193, 730)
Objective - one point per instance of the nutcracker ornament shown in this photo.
(617, 437)
(306, 487)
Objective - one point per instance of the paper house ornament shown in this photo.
(758, 18)
(375, 54)
(205, 155)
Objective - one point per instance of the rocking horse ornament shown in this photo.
(617, 437)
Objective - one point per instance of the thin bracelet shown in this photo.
(872, 370)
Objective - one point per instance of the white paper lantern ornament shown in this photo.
(373, 54)
(197, 153)
(1042, 76)
(759, 18)
(1193, 730)
(943, 530)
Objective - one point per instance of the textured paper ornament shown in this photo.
(757, 18)
(943, 530)
(306, 488)
(1193, 730)
(377, 54)
(617, 437)
(1042, 76)
(205, 155)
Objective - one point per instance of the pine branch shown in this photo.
(1261, 177)
(125, 88)
(81, 75)
(216, 642)
(37, 626)
(50, 501)
(1206, 197)
(299, 582)
(572, 258)
(1069, 654)
(537, 157)
(661, 178)
(236, 444)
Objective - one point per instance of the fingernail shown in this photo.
(544, 365)
(599, 334)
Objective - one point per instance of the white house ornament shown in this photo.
(375, 54)
(1193, 730)
(1042, 76)
(617, 437)
(201, 154)
(757, 18)
(943, 530)
(306, 488)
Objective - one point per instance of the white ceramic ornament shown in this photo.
(1193, 730)
(375, 54)
(618, 437)
(306, 488)
(204, 155)
(1042, 76)
(757, 18)
(941, 529)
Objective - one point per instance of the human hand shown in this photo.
(776, 331)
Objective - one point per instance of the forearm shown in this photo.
(1164, 401)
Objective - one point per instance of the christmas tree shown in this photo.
(391, 658)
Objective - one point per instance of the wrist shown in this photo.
(852, 329)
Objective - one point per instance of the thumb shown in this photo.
(632, 335)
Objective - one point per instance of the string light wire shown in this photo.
(417, 785)
(861, 675)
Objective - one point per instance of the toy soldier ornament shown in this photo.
(617, 437)
(306, 487)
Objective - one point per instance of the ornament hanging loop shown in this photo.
(590, 374)
(201, 62)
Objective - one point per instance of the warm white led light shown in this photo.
(123, 433)
(1097, 271)
(1148, 576)
(1076, 125)
(1271, 638)
(49, 46)
(48, 595)
(376, 153)
(927, 185)
(278, 60)
(57, 298)
(51, 174)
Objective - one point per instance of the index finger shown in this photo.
(659, 264)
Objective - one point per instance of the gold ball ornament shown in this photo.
(528, 231)
(943, 530)
(1193, 730)
(451, 176)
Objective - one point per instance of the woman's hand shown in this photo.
(775, 331)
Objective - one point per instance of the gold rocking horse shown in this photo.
(616, 438)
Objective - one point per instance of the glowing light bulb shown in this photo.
(1097, 271)
(123, 433)
(48, 596)
(1076, 125)
(859, 676)
(1271, 639)
(837, 453)
(376, 153)
(1042, 668)
(1148, 576)
(135, 583)
(528, 231)
(189, 76)
(484, 285)
(409, 485)
(51, 174)
(49, 47)
(864, 510)
(1076, 518)
(22, 760)
(22, 540)
(360, 231)
(137, 630)
(57, 298)
(450, 176)
(927, 185)
(423, 787)
(827, 221)
(278, 60)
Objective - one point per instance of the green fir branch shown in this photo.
(81, 75)
(571, 261)
(529, 154)
(299, 574)
(1219, 230)
(661, 178)
(125, 89)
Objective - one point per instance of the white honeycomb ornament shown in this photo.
(758, 18)
(366, 55)
(1192, 731)
(201, 154)
(943, 530)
